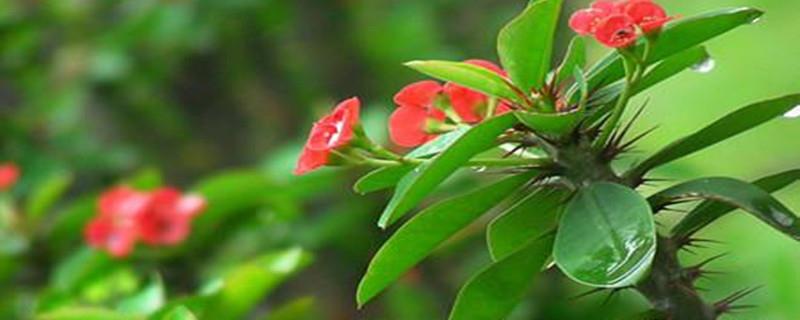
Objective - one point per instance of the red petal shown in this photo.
(419, 94)
(502, 108)
(310, 160)
(616, 31)
(466, 103)
(407, 126)
(608, 6)
(122, 202)
(584, 21)
(647, 15)
(336, 129)
(9, 173)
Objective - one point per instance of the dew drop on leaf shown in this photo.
(794, 113)
(704, 66)
(479, 169)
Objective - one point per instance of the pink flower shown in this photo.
(415, 109)
(167, 219)
(333, 131)
(9, 174)
(471, 105)
(162, 217)
(648, 15)
(115, 228)
(616, 31)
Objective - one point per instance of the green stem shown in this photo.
(634, 67)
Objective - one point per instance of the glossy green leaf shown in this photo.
(709, 211)
(530, 218)
(495, 291)
(245, 286)
(439, 144)
(737, 193)
(80, 268)
(417, 184)
(525, 44)
(677, 36)
(84, 313)
(606, 237)
(418, 237)
(180, 312)
(45, 195)
(382, 178)
(731, 125)
(468, 75)
(556, 124)
(148, 300)
(575, 58)
(661, 72)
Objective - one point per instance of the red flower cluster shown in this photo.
(417, 109)
(161, 217)
(333, 131)
(614, 23)
(9, 174)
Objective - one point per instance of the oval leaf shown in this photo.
(429, 229)
(709, 211)
(740, 194)
(575, 58)
(422, 180)
(468, 75)
(525, 45)
(607, 236)
(495, 291)
(729, 126)
(530, 218)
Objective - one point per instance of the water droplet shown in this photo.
(794, 113)
(479, 169)
(705, 66)
(755, 19)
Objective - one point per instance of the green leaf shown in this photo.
(737, 193)
(298, 309)
(525, 44)
(80, 268)
(45, 195)
(731, 125)
(663, 71)
(495, 291)
(468, 75)
(180, 312)
(709, 211)
(229, 194)
(416, 185)
(677, 36)
(382, 178)
(607, 236)
(439, 144)
(84, 313)
(575, 58)
(245, 286)
(556, 124)
(530, 218)
(427, 230)
(147, 301)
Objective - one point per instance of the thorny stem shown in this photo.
(670, 290)
(634, 69)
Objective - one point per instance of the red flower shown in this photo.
(415, 108)
(167, 219)
(9, 174)
(115, 229)
(333, 131)
(648, 15)
(470, 105)
(585, 21)
(616, 31)
(126, 216)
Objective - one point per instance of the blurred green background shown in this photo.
(184, 91)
